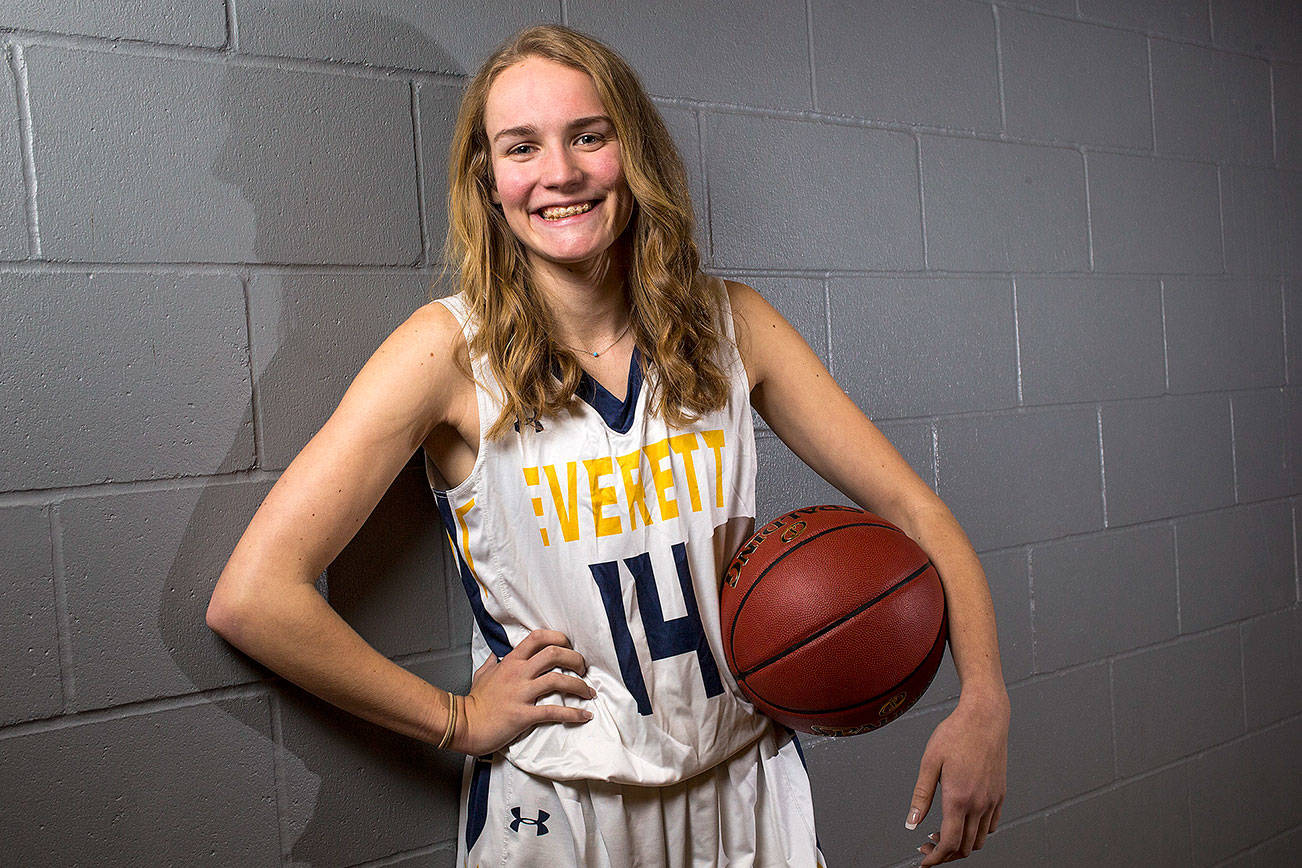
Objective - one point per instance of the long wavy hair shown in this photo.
(675, 308)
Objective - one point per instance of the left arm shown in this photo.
(805, 407)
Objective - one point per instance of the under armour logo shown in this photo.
(540, 822)
(537, 426)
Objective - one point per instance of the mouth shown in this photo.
(567, 214)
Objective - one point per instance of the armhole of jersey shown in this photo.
(456, 305)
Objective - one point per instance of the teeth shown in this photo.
(568, 211)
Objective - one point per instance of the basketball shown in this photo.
(834, 620)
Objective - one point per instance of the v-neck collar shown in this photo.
(617, 414)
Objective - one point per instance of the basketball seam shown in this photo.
(877, 698)
(838, 622)
(732, 628)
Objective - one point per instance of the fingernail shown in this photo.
(912, 822)
(588, 715)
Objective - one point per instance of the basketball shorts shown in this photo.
(753, 810)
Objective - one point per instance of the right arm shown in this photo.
(266, 604)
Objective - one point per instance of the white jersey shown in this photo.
(610, 526)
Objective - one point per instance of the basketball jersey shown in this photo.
(609, 525)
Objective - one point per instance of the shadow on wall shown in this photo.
(347, 790)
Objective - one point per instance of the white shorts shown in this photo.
(752, 810)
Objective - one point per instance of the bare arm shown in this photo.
(796, 395)
(265, 602)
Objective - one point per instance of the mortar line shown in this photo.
(255, 397)
(999, 70)
(1152, 100)
(1017, 345)
(1175, 552)
(1112, 712)
(1103, 467)
(1030, 598)
(1234, 454)
(565, 12)
(1220, 217)
(1089, 209)
(809, 37)
(1243, 678)
(18, 66)
(1166, 359)
(935, 455)
(63, 633)
(1274, 129)
(827, 324)
(232, 27)
(417, 144)
(281, 777)
(705, 182)
(922, 203)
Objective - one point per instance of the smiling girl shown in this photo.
(584, 403)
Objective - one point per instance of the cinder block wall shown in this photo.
(1052, 247)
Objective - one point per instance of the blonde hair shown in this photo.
(675, 308)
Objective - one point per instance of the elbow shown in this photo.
(223, 613)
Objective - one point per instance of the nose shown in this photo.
(560, 168)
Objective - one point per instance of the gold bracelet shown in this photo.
(452, 720)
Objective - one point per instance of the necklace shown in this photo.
(596, 353)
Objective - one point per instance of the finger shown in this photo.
(561, 714)
(557, 657)
(538, 639)
(951, 834)
(555, 682)
(970, 826)
(923, 790)
(994, 818)
(983, 828)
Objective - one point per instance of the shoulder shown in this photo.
(752, 315)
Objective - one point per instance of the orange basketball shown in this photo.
(833, 620)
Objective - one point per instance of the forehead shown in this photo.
(539, 92)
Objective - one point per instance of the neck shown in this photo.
(588, 301)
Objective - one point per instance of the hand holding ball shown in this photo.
(833, 620)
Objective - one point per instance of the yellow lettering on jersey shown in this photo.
(662, 478)
(606, 525)
(684, 445)
(465, 539)
(634, 492)
(714, 439)
(568, 515)
(531, 480)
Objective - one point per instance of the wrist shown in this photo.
(990, 697)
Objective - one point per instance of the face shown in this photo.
(552, 144)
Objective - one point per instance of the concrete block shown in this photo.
(760, 217)
(867, 63)
(29, 628)
(1255, 216)
(437, 104)
(188, 22)
(999, 206)
(139, 570)
(1269, 27)
(99, 793)
(1291, 232)
(1272, 666)
(1167, 456)
(1151, 215)
(684, 49)
(162, 391)
(311, 334)
(1293, 338)
(1089, 339)
(170, 160)
(1223, 334)
(801, 302)
(1060, 740)
(1209, 104)
(1183, 19)
(1074, 82)
(1234, 564)
(1176, 699)
(1286, 81)
(783, 482)
(361, 791)
(915, 347)
(1246, 791)
(388, 583)
(1006, 574)
(871, 776)
(13, 187)
(1098, 595)
(1044, 464)
(1265, 465)
(1141, 822)
(683, 126)
(454, 36)
(1277, 850)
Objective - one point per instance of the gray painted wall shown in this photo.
(1051, 246)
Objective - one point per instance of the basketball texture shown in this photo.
(833, 620)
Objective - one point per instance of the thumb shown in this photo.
(923, 790)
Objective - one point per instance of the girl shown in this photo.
(584, 406)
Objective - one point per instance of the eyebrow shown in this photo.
(528, 130)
